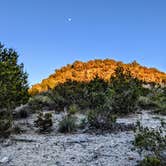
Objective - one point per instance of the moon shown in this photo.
(69, 19)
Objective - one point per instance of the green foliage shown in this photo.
(73, 109)
(64, 95)
(85, 95)
(67, 124)
(149, 139)
(119, 96)
(13, 87)
(39, 102)
(13, 80)
(152, 140)
(150, 161)
(126, 91)
(101, 119)
(155, 100)
(160, 100)
(146, 102)
(5, 124)
(96, 93)
(44, 122)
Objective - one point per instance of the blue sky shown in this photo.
(45, 38)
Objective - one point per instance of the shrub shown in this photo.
(96, 93)
(158, 97)
(73, 109)
(126, 91)
(67, 124)
(69, 92)
(44, 122)
(149, 139)
(150, 161)
(38, 102)
(146, 102)
(101, 119)
(152, 140)
(83, 94)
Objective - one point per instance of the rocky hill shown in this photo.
(86, 71)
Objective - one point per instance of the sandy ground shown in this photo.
(54, 149)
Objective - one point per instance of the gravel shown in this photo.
(77, 149)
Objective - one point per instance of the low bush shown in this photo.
(39, 102)
(145, 102)
(44, 122)
(73, 109)
(67, 124)
(150, 161)
(152, 140)
(101, 119)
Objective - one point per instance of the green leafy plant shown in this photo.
(39, 102)
(152, 140)
(150, 161)
(126, 91)
(73, 109)
(44, 122)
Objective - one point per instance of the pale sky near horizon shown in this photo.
(49, 34)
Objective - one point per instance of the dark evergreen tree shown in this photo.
(13, 80)
(13, 88)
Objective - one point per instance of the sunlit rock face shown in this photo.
(86, 71)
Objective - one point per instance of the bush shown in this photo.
(83, 94)
(145, 102)
(152, 140)
(73, 109)
(44, 122)
(69, 92)
(101, 119)
(158, 99)
(39, 102)
(67, 124)
(150, 161)
(126, 91)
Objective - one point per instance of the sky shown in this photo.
(48, 34)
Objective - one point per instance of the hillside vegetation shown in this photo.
(87, 71)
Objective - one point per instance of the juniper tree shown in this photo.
(13, 85)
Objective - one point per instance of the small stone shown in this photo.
(5, 160)
(130, 158)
